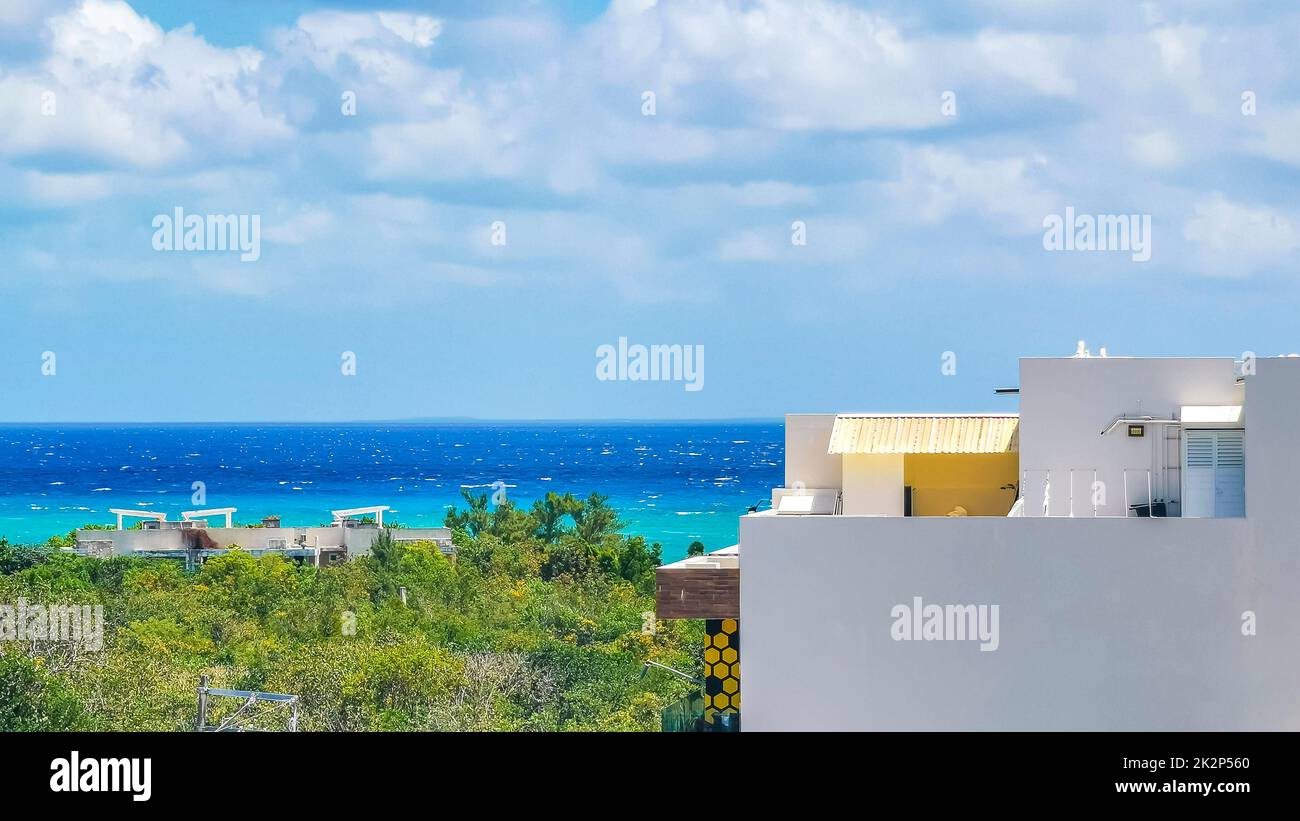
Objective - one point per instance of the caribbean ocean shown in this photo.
(673, 482)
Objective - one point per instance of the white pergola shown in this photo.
(136, 514)
(216, 511)
(377, 510)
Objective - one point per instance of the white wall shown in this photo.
(873, 484)
(1065, 403)
(807, 440)
(356, 540)
(1273, 443)
(1105, 624)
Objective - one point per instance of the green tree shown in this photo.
(14, 558)
(249, 586)
(386, 550)
(32, 700)
(596, 519)
(473, 521)
(550, 512)
(534, 624)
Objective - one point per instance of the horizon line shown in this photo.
(415, 420)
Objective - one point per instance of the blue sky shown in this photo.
(921, 146)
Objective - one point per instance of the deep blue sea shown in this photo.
(671, 482)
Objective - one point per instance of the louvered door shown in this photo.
(1214, 474)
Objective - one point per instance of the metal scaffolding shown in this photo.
(243, 719)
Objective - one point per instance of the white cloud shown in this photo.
(118, 88)
(416, 29)
(1180, 48)
(749, 246)
(757, 194)
(466, 142)
(422, 122)
(1157, 149)
(768, 111)
(1235, 238)
(937, 184)
(27, 13)
(1032, 59)
(797, 65)
(827, 240)
(329, 35)
(1279, 136)
(646, 141)
(66, 189)
(385, 49)
(306, 225)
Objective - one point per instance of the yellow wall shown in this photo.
(941, 481)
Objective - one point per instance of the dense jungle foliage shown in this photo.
(538, 622)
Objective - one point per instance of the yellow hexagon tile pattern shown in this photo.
(721, 667)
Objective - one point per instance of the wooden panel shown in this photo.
(697, 593)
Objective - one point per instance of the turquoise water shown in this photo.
(672, 482)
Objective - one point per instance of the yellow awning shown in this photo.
(925, 433)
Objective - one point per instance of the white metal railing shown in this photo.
(1028, 506)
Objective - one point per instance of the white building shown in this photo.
(1135, 527)
(350, 534)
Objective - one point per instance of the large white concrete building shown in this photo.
(351, 533)
(1122, 554)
